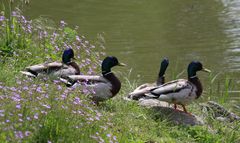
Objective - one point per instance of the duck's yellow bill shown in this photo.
(122, 64)
(206, 70)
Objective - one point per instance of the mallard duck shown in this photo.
(144, 88)
(181, 91)
(58, 69)
(104, 87)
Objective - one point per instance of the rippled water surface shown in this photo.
(142, 32)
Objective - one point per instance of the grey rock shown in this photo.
(152, 103)
(163, 110)
(219, 112)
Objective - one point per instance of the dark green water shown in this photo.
(142, 32)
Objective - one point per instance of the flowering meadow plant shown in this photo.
(41, 110)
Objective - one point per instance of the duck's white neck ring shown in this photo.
(193, 76)
(107, 73)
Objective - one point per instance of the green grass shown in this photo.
(41, 110)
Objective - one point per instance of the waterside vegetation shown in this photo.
(45, 110)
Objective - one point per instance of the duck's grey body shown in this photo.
(57, 69)
(180, 92)
(52, 69)
(101, 87)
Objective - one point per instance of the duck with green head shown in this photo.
(58, 69)
(145, 88)
(181, 91)
(104, 87)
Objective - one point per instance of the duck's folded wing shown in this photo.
(44, 66)
(54, 64)
(87, 78)
(140, 92)
(145, 86)
(169, 87)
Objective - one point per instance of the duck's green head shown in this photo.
(195, 66)
(110, 62)
(67, 56)
(163, 67)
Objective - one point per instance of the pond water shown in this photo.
(142, 32)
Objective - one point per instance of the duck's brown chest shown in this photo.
(198, 85)
(116, 84)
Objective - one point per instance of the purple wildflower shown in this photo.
(19, 134)
(30, 92)
(114, 138)
(78, 39)
(13, 89)
(27, 133)
(97, 118)
(90, 119)
(76, 100)
(56, 81)
(44, 112)
(36, 116)
(109, 135)
(14, 13)
(18, 106)
(39, 89)
(29, 28)
(63, 96)
(28, 118)
(2, 18)
(59, 87)
(47, 106)
(64, 107)
(40, 35)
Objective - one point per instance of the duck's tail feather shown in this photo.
(66, 82)
(28, 73)
(150, 95)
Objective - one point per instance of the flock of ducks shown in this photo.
(177, 92)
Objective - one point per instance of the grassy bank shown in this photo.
(44, 110)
